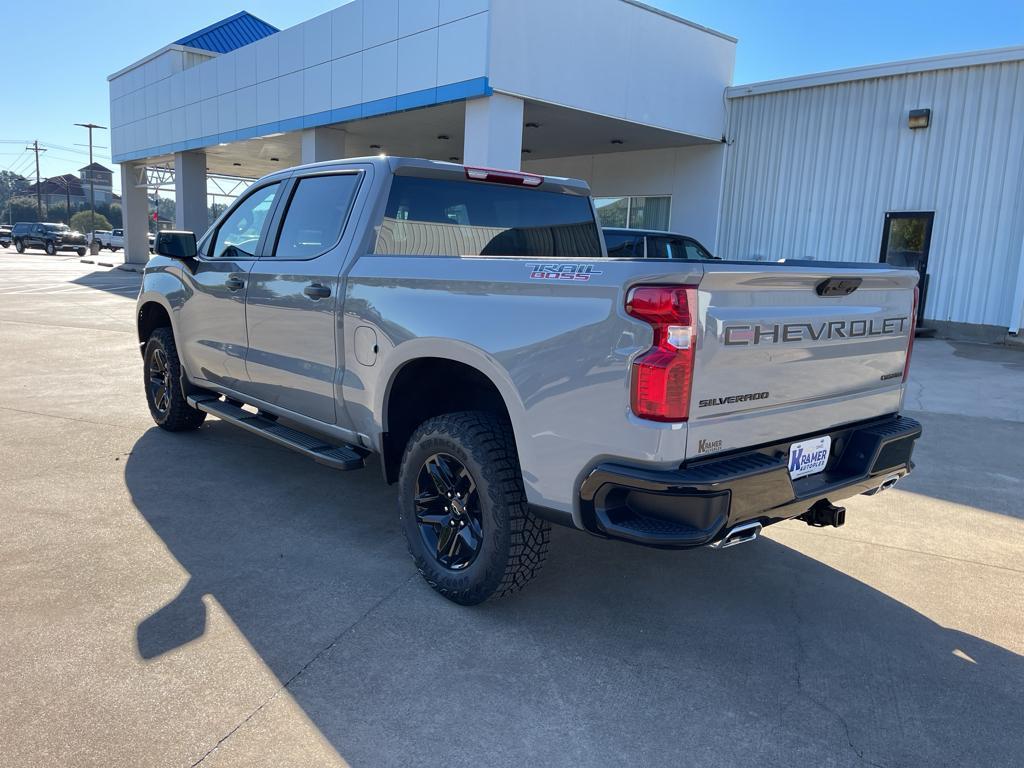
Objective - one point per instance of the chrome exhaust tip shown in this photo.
(889, 482)
(741, 534)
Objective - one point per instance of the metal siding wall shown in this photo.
(810, 173)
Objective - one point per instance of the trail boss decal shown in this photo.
(748, 335)
(578, 273)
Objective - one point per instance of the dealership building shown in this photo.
(919, 163)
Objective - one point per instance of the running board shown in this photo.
(344, 457)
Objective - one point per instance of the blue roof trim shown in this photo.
(428, 97)
(229, 34)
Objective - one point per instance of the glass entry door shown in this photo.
(906, 240)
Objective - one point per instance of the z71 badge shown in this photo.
(576, 272)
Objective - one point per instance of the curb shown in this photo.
(131, 267)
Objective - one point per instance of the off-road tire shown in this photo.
(179, 416)
(81, 252)
(51, 249)
(515, 542)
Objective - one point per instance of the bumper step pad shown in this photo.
(343, 457)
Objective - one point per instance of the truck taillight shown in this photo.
(662, 376)
(913, 330)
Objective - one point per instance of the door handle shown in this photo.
(316, 291)
(234, 283)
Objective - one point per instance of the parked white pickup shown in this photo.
(112, 239)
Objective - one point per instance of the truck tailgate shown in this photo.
(791, 347)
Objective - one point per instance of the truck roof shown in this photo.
(436, 168)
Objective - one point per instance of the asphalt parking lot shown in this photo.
(211, 599)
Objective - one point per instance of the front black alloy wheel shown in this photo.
(448, 512)
(166, 400)
(159, 381)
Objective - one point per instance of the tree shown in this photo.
(57, 212)
(115, 216)
(11, 184)
(215, 210)
(83, 222)
(23, 209)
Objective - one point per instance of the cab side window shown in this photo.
(239, 235)
(666, 247)
(624, 246)
(316, 215)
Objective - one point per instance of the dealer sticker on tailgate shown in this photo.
(809, 456)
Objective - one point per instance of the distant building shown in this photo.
(102, 180)
(60, 190)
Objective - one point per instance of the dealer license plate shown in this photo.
(808, 457)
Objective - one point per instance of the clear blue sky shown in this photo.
(49, 87)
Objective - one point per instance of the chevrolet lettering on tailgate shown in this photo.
(747, 335)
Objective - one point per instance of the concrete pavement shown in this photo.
(209, 598)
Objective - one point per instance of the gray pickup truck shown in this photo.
(466, 327)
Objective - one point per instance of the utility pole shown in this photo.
(92, 175)
(39, 194)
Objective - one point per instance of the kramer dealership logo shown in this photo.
(748, 335)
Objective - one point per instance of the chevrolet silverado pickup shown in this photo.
(466, 327)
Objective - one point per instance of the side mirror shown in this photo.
(176, 245)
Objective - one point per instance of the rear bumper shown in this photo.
(698, 503)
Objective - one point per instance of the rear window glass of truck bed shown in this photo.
(436, 217)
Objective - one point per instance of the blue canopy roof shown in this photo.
(230, 33)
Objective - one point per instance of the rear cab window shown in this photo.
(316, 215)
(447, 217)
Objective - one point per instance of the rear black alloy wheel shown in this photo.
(51, 249)
(19, 246)
(448, 511)
(463, 508)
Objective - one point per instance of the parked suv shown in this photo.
(48, 237)
(653, 244)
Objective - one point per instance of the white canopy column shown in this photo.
(135, 213)
(494, 132)
(320, 144)
(191, 210)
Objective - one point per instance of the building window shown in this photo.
(650, 212)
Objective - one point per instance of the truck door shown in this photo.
(212, 318)
(294, 298)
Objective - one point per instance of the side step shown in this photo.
(344, 457)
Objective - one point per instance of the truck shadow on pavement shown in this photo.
(614, 655)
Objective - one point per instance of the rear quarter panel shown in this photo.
(559, 352)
